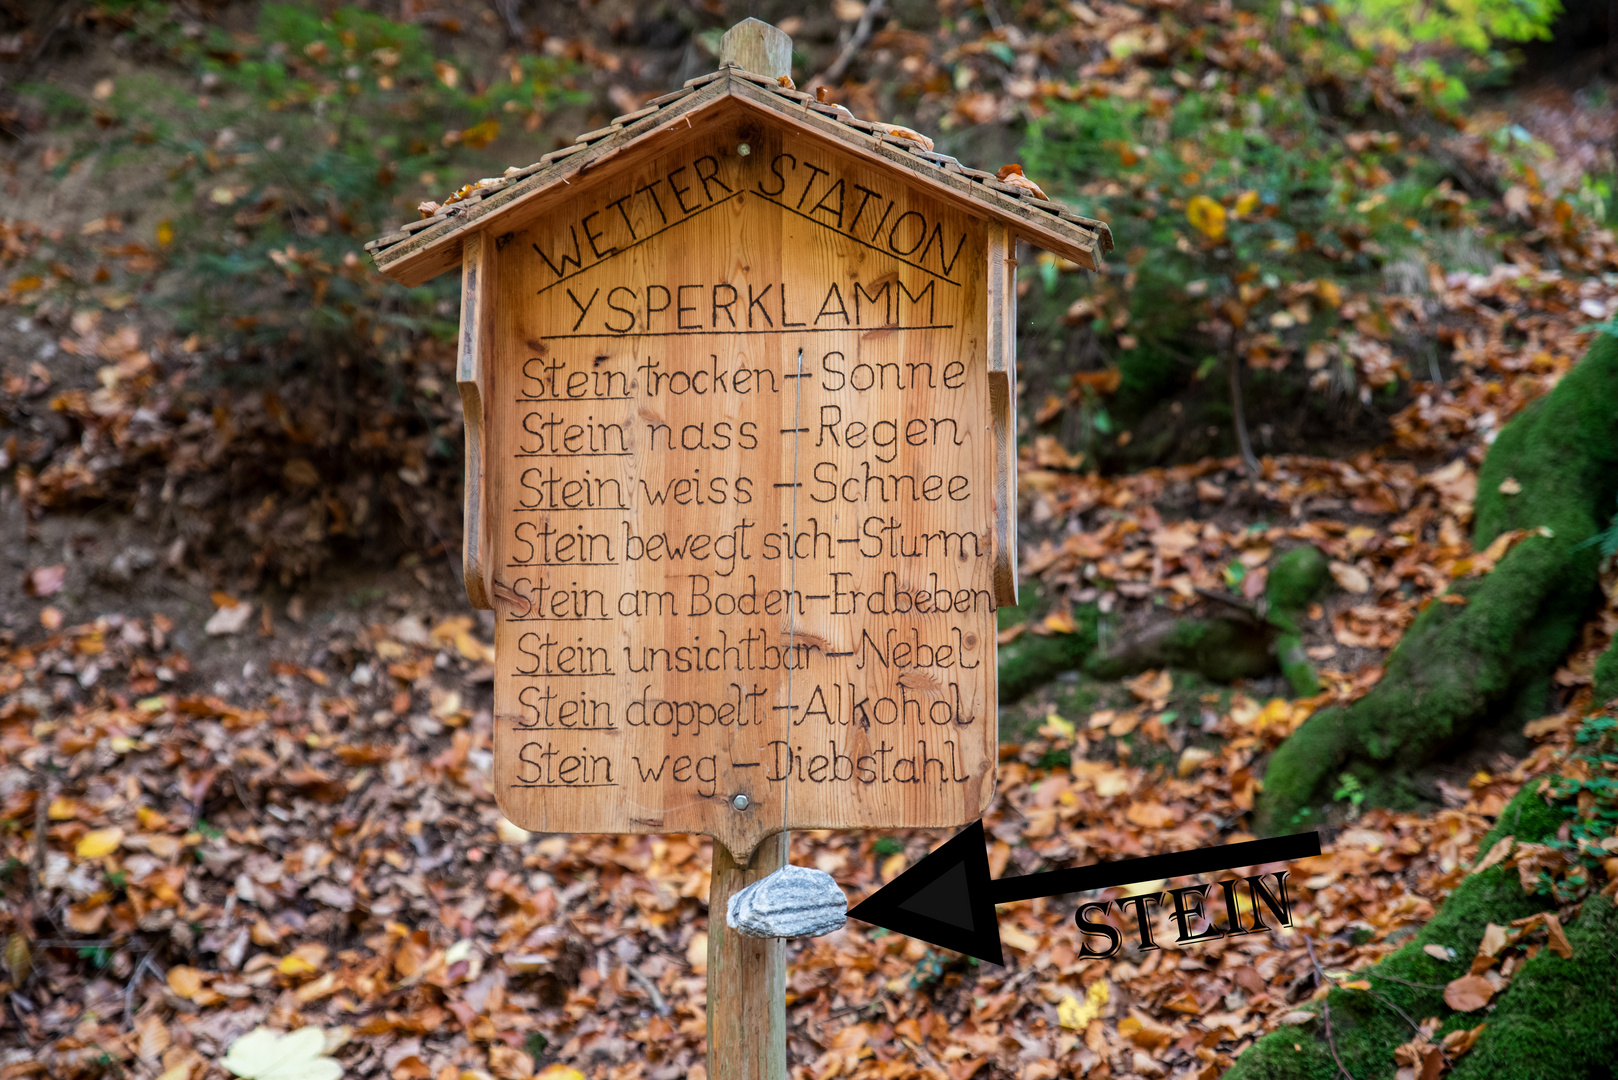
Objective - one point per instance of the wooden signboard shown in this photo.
(738, 376)
(742, 501)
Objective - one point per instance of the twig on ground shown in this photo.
(1243, 440)
(507, 10)
(1325, 1008)
(1406, 982)
(651, 989)
(134, 984)
(42, 805)
(856, 41)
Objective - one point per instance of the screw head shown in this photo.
(743, 149)
(741, 802)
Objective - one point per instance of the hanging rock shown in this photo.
(792, 902)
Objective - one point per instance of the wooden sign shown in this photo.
(742, 495)
(741, 467)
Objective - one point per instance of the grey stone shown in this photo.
(795, 901)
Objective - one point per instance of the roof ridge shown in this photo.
(899, 144)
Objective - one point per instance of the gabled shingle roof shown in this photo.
(420, 250)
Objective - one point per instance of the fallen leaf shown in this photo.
(185, 981)
(510, 833)
(98, 842)
(1350, 578)
(1510, 486)
(1560, 945)
(229, 619)
(1191, 759)
(1018, 940)
(1457, 1043)
(1074, 1014)
(45, 580)
(1502, 847)
(1495, 938)
(1437, 952)
(558, 1071)
(1468, 993)
(696, 953)
(19, 959)
(263, 1054)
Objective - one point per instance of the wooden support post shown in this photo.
(1002, 281)
(747, 977)
(473, 374)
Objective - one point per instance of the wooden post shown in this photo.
(747, 977)
(757, 47)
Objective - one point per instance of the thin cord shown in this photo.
(792, 576)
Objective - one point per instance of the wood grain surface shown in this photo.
(741, 470)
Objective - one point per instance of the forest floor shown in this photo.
(235, 800)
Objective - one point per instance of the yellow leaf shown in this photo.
(446, 73)
(99, 842)
(1059, 622)
(1207, 216)
(1059, 725)
(62, 809)
(1018, 940)
(1074, 1014)
(892, 865)
(1245, 202)
(185, 981)
(165, 233)
(471, 648)
(558, 1071)
(293, 964)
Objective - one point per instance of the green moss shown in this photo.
(1295, 665)
(1296, 580)
(1558, 1020)
(1606, 675)
(1033, 659)
(1367, 1030)
(1221, 649)
(1458, 667)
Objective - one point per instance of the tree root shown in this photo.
(1367, 1027)
(1458, 667)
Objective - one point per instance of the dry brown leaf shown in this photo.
(1468, 993)
(1560, 945)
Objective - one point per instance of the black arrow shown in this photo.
(948, 898)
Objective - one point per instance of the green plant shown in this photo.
(1350, 788)
(1591, 784)
(1473, 24)
(1605, 541)
(888, 845)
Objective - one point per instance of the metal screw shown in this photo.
(741, 802)
(743, 149)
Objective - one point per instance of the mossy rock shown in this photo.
(1297, 579)
(1459, 667)
(1033, 659)
(1221, 649)
(1366, 1030)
